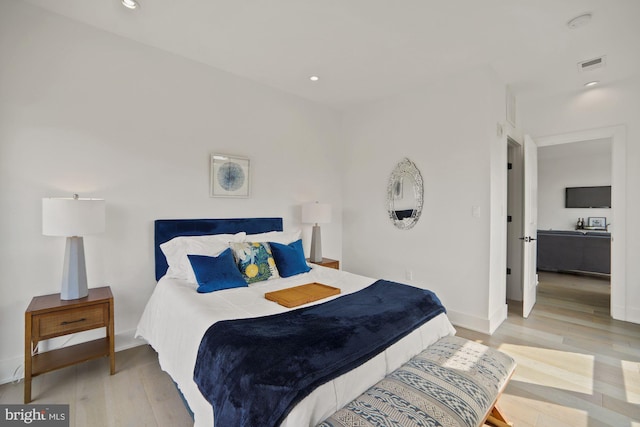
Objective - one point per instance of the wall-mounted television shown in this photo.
(588, 197)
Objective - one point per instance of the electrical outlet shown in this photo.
(409, 274)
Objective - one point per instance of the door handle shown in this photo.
(527, 238)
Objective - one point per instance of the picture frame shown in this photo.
(229, 176)
(597, 222)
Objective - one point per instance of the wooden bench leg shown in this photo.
(496, 418)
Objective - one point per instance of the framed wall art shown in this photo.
(229, 176)
(597, 222)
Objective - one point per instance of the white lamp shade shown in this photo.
(72, 217)
(316, 213)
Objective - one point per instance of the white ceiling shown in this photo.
(367, 49)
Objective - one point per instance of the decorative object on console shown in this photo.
(73, 218)
(597, 223)
(316, 213)
(229, 176)
(405, 194)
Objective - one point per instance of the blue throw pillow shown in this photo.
(289, 258)
(216, 273)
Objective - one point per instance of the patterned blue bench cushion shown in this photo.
(454, 382)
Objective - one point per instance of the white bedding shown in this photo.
(176, 318)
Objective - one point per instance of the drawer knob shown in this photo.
(73, 321)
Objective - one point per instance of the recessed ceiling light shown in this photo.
(314, 78)
(579, 21)
(130, 4)
(593, 83)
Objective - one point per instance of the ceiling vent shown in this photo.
(592, 64)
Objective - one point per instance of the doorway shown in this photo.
(514, 220)
(617, 136)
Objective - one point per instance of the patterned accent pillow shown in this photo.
(255, 261)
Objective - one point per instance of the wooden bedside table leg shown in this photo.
(111, 333)
(27, 358)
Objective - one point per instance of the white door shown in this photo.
(529, 239)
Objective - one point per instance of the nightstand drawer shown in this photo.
(58, 323)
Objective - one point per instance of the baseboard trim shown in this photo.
(478, 324)
(633, 315)
(126, 340)
(499, 316)
(12, 369)
(468, 322)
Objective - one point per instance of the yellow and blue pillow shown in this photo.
(255, 261)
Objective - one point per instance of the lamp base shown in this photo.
(74, 275)
(316, 245)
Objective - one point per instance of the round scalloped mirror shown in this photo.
(404, 195)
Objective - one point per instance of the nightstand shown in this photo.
(327, 262)
(48, 317)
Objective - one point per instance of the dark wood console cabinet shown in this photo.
(574, 251)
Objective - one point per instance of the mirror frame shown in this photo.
(403, 169)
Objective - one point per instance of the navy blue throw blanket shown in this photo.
(253, 371)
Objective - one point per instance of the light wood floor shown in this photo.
(576, 367)
(139, 394)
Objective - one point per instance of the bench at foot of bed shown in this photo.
(454, 382)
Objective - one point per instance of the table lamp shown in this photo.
(73, 218)
(316, 213)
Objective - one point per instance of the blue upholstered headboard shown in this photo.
(167, 229)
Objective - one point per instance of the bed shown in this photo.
(176, 318)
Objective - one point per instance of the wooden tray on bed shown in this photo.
(298, 295)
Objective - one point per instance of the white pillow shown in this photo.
(283, 237)
(177, 249)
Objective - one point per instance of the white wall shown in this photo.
(85, 111)
(615, 105)
(449, 131)
(578, 164)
